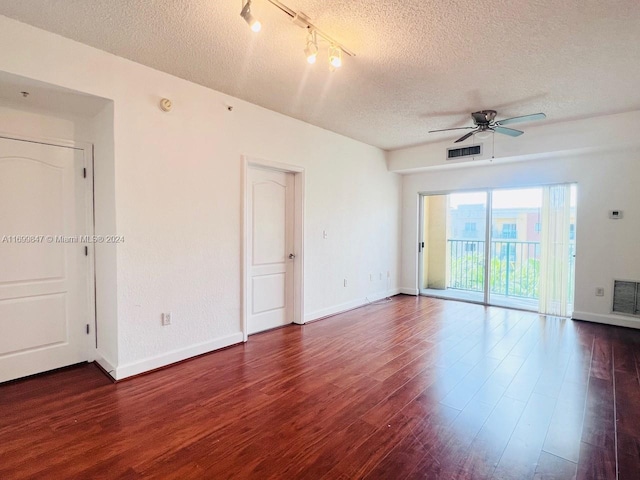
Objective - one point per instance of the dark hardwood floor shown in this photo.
(412, 388)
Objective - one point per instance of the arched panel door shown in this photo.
(270, 240)
(43, 267)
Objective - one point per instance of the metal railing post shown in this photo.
(506, 288)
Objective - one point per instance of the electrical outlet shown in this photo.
(371, 277)
(166, 319)
(599, 292)
(380, 275)
(388, 274)
(345, 282)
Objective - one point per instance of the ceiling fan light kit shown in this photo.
(483, 134)
(335, 50)
(485, 124)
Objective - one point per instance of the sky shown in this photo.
(507, 198)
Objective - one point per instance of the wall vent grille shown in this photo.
(457, 153)
(626, 297)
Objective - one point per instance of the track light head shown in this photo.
(252, 21)
(335, 56)
(311, 50)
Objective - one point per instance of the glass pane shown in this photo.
(453, 257)
(515, 247)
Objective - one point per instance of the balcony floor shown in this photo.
(478, 297)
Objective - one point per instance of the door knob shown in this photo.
(292, 256)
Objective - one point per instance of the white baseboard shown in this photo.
(617, 320)
(380, 295)
(174, 356)
(345, 307)
(106, 365)
(410, 291)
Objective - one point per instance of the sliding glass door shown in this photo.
(506, 247)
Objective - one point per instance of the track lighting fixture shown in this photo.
(335, 56)
(311, 51)
(336, 49)
(253, 23)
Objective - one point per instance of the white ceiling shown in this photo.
(420, 64)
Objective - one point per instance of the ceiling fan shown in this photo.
(485, 121)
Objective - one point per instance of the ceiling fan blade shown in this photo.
(524, 118)
(447, 129)
(464, 137)
(508, 131)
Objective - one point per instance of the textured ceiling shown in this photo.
(420, 64)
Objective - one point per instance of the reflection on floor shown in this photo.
(478, 297)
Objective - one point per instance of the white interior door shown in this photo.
(271, 196)
(43, 277)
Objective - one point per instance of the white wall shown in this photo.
(606, 249)
(177, 195)
(35, 122)
(100, 134)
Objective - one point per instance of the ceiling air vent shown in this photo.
(458, 153)
(626, 297)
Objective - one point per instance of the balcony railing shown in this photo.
(514, 269)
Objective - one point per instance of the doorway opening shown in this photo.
(507, 247)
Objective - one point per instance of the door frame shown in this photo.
(91, 345)
(421, 241)
(298, 236)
